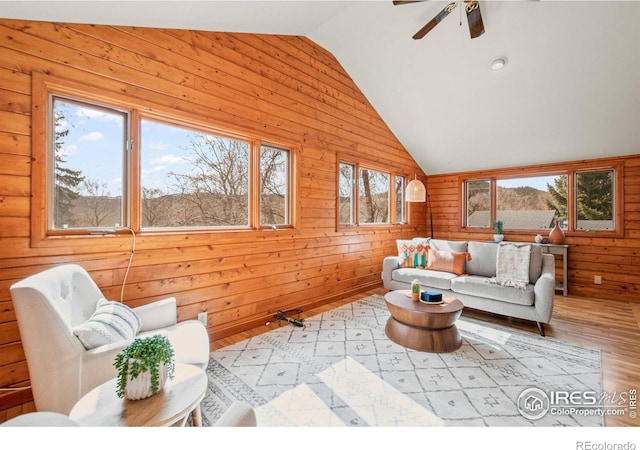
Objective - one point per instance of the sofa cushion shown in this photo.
(431, 278)
(447, 261)
(483, 258)
(478, 287)
(448, 246)
(111, 322)
(412, 253)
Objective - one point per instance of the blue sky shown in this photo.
(95, 146)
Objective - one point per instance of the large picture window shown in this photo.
(109, 165)
(192, 179)
(580, 199)
(531, 203)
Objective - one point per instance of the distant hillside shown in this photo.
(511, 199)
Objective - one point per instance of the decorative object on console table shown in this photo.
(498, 226)
(143, 367)
(556, 235)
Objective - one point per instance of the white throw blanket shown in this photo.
(512, 266)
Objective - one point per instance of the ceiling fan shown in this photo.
(474, 17)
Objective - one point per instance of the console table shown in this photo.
(562, 250)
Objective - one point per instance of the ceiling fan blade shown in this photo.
(476, 26)
(435, 21)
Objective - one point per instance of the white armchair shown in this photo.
(48, 305)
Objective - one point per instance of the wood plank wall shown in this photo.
(280, 88)
(617, 260)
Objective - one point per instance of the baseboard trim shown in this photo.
(255, 322)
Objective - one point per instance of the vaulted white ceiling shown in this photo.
(570, 90)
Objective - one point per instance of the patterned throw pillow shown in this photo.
(111, 322)
(413, 253)
(452, 262)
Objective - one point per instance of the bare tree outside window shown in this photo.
(346, 201)
(274, 186)
(401, 213)
(192, 179)
(216, 188)
(373, 196)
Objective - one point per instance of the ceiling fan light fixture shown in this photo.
(498, 63)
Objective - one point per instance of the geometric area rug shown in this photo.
(341, 370)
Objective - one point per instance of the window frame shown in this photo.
(392, 173)
(569, 169)
(45, 87)
(50, 178)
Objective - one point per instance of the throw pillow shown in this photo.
(111, 322)
(512, 266)
(513, 262)
(413, 253)
(444, 261)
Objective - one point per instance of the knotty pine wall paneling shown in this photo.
(284, 89)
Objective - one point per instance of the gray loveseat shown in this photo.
(476, 287)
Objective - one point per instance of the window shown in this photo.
(594, 200)
(478, 201)
(88, 179)
(373, 196)
(401, 212)
(274, 186)
(192, 179)
(346, 188)
(368, 196)
(108, 164)
(531, 203)
(581, 199)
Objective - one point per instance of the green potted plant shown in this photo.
(498, 227)
(144, 366)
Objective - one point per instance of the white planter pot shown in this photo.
(140, 387)
(498, 237)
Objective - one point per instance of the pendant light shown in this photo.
(416, 191)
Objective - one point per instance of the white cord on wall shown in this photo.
(133, 250)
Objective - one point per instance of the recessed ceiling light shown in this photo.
(498, 63)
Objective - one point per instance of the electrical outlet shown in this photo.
(202, 317)
(597, 279)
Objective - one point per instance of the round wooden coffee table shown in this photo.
(179, 398)
(424, 327)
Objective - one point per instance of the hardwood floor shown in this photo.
(612, 326)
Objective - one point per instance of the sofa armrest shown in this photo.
(389, 264)
(159, 314)
(545, 289)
